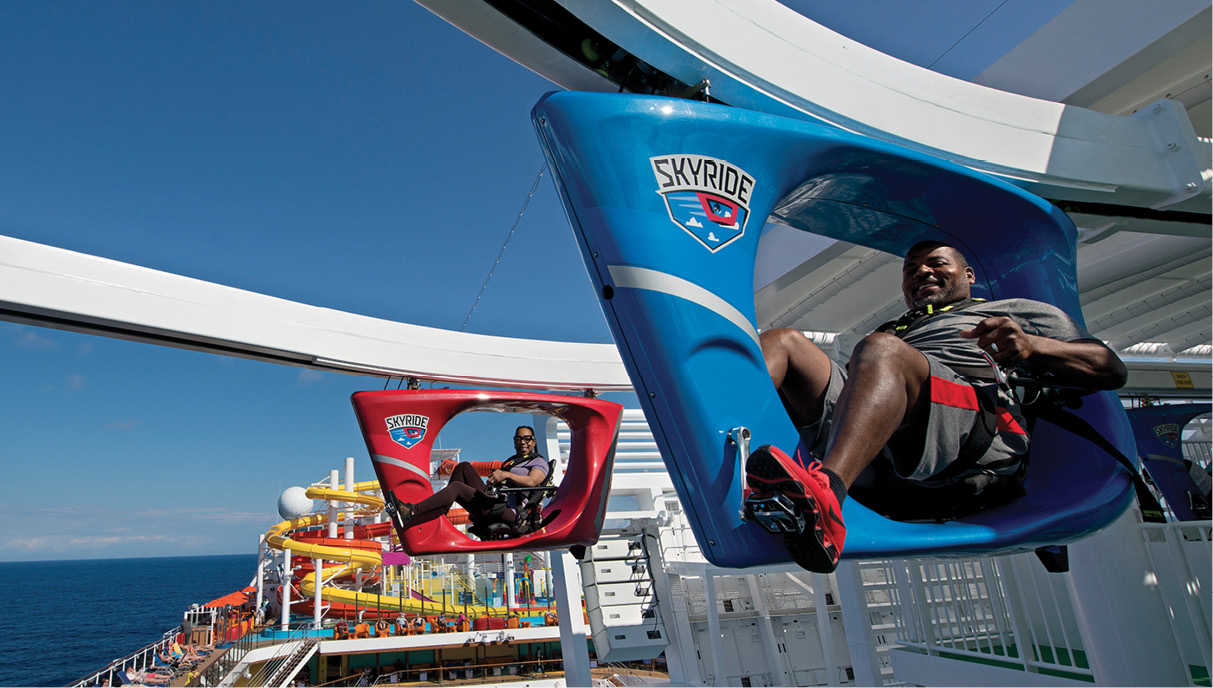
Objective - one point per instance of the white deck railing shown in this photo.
(985, 614)
(1009, 612)
(1180, 556)
(1002, 611)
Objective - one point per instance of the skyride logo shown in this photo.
(708, 198)
(1168, 434)
(407, 429)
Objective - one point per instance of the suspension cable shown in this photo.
(484, 285)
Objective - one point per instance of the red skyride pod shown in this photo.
(400, 426)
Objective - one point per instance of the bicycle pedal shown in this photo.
(775, 513)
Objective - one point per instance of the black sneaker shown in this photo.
(400, 512)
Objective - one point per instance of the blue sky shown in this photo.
(366, 157)
(369, 158)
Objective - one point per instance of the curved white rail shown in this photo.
(763, 56)
(54, 287)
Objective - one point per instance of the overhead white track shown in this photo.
(761, 55)
(53, 287)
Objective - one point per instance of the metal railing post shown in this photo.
(858, 630)
(1018, 614)
(925, 607)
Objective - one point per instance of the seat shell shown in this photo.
(681, 307)
(577, 508)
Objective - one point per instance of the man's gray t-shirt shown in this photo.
(939, 335)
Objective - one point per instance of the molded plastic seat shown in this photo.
(668, 199)
(399, 427)
(528, 506)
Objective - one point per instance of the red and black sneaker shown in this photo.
(796, 501)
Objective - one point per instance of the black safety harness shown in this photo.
(1049, 402)
(985, 428)
(1039, 399)
(528, 515)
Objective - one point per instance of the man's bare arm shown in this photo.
(1085, 364)
(531, 479)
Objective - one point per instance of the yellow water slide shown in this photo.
(355, 559)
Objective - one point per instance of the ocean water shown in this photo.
(61, 620)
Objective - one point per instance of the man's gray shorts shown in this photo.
(957, 407)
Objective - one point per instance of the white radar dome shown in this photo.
(293, 503)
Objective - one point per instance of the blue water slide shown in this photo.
(667, 199)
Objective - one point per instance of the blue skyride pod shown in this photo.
(667, 199)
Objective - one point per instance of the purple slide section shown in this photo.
(402, 559)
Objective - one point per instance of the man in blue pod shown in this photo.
(922, 423)
(526, 468)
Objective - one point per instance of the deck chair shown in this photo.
(141, 678)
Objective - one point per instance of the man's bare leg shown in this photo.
(885, 379)
(800, 371)
(883, 392)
